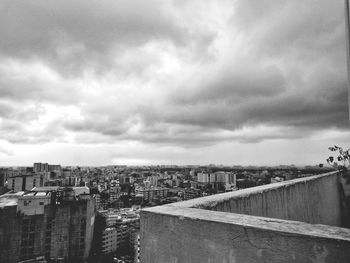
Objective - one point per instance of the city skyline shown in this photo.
(172, 82)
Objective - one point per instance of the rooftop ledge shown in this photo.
(293, 221)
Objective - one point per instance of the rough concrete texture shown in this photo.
(179, 235)
(314, 199)
(190, 232)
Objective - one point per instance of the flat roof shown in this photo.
(10, 199)
(45, 188)
(36, 194)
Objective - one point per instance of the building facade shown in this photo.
(51, 222)
(152, 193)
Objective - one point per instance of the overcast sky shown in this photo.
(95, 82)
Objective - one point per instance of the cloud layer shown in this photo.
(170, 73)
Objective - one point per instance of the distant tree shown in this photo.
(341, 161)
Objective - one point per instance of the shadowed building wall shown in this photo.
(51, 223)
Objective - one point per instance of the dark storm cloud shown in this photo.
(318, 104)
(73, 35)
(169, 72)
(302, 39)
(277, 27)
(234, 83)
(31, 26)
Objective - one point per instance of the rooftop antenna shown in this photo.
(347, 34)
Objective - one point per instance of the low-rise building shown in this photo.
(191, 193)
(120, 231)
(152, 193)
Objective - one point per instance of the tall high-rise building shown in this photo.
(26, 182)
(53, 222)
(54, 168)
(40, 167)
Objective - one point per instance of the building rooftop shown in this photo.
(46, 188)
(36, 194)
(10, 199)
(143, 188)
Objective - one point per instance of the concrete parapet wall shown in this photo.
(249, 226)
(180, 235)
(313, 200)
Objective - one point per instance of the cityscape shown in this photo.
(174, 131)
(52, 213)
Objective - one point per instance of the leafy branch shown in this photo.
(341, 160)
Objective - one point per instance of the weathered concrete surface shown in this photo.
(178, 235)
(314, 199)
(191, 232)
